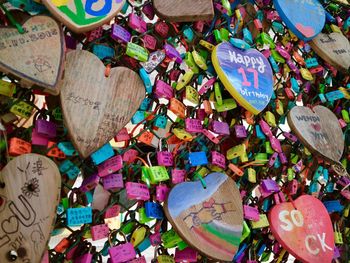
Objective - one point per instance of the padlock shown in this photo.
(186, 255)
(192, 95)
(170, 238)
(137, 23)
(161, 256)
(45, 128)
(240, 131)
(221, 128)
(120, 34)
(251, 213)
(155, 239)
(137, 52)
(218, 159)
(113, 182)
(172, 53)
(162, 29)
(154, 210)
(110, 166)
(139, 234)
(137, 191)
(99, 232)
(162, 192)
(18, 146)
(164, 158)
(123, 252)
(197, 158)
(338, 236)
(193, 125)
(178, 176)
(89, 183)
(70, 169)
(184, 80)
(178, 108)
(39, 139)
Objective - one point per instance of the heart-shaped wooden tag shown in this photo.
(305, 19)
(28, 206)
(305, 230)
(96, 107)
(210, 219)
(319, 130)
(246, 74)
(37, 56)
(84, 15)
(334, 49)
(184, 10)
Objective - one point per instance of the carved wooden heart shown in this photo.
(319, 130)
(84, 15)
(36, 57)
(334, 49)
(211, 219)
(184, 10)
(305, 230)
(28, 209)
(96, 107)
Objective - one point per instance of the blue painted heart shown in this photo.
(305, 19)
(246, 74)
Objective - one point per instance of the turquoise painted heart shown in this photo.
(306, 19)
(246, 74)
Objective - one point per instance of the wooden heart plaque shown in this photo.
(319, 130)
(37, 56)
(209, 219)
(96, 107)
(84, 15)
(305, 230)
(28, 208)
(334, 49)
(184, 10)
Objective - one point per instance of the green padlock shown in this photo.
(137, 52)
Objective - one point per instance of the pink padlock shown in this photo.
(164, 157)
(218, 159)
(86, 258)
(155, 239)
(292, 187)
(141, 259)
(283, 52)
(113, 182)
(211, 136)
(137, 191)
(148, 10)
(275, 144)
(45, 258)
(122, 253)
(283, 158)
(99, 231)
(112, 211)
(206, 86)
(193, 125)
(163, 90)
(46, 128)
(251, 213)
(162, 192)
(201, 114)
(137, 23)
(150, 42)
(290, 136)
(130, 156)
(221, 128)
(122, 135)
(186, 255)
(110, 166)
(89, 183)
(273, 159)
(265, 128)
(178, 176)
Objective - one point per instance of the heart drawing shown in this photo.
(211, 220)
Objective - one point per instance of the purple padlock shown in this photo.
(137, 191)
(218, 159)
(270, 185)
(113, 182)
(110, 166)
(122, 253)
(137, 23)
(193, 125)
(172, 53)
(283, 158)
(240, 131)
(46, 128)
(163, 90)
(120, 34)
(148, 10)
(89, 183)
(275, 144)
(221, 128)
(283, 52)
(251, 213)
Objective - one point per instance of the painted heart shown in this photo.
(334, 49)
(327, 139)
(211, 220)
(32, 190)
(35, 57)
(184, 10)
(108, 103)
(246, 74)
(84, 15)
(305, 230)
(306, 19)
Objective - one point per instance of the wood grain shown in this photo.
(35, 57)
(27, 214)
(84, 15)
(334, 49)
(184, 10)
(96, 107)
(209, 220)
(319, 130)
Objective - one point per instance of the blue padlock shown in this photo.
(197, 158)
(154, 210)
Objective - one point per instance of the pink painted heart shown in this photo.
(306, 30)
(305, 230)
(317, 126)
